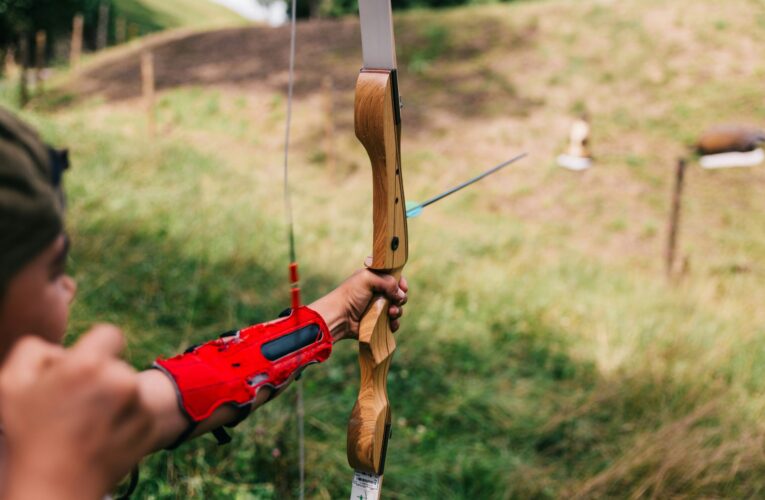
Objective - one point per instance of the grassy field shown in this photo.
(543, 354)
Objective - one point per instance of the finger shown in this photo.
(385, 284)
(102, 340)
(403, 297)
(394, 325)
(395, 312)
(368, 261)
(403, 284)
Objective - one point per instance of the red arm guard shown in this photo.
(233, 368)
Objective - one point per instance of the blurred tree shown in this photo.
(22, 18)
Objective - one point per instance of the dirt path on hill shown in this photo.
(256, 58)
(241, 57)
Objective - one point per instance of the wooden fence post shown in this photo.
(134, 31)
(10, 66)
(40, 52)
(674, 217)
(329, 123)
(120, 30)
(102, 32)
(75, 50)
(23, 77)
(147, 78)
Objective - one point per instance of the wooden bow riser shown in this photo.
(377, 126)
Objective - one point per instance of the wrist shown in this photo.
(334, 315)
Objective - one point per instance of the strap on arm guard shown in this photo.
(232, 369)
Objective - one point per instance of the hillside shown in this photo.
(156, 15)
(543, 354)
(652, 76)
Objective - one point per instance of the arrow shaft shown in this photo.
(475, 179)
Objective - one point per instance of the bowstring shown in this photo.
(291, 235)
(287, 197)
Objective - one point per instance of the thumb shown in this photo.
(386, 285)
(101, 340)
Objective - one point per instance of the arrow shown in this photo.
(414, 209)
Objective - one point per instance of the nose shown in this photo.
(70, 285)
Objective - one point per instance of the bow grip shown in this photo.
(369, 425)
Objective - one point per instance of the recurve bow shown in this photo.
(377, 120)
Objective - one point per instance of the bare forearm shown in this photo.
(159, 395)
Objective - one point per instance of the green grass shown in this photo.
(543, 355)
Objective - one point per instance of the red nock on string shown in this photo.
(294, 285)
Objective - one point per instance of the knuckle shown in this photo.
(124, 380)
(29, 344)
(110, 331)
(107, 327)
(86, 364)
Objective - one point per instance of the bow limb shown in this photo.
(377, 124)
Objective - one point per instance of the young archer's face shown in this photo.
(37, 299)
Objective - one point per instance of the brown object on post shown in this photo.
(378, 128)
(674, 217)
(729, 138)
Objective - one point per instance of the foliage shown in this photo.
(24, 17)
(335, 8)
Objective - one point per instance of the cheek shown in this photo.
(49, 317)
(60, 297)
(44, 314)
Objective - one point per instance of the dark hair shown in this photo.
(31, 203)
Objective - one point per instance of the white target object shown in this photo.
(732, 160)
(574, 162)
